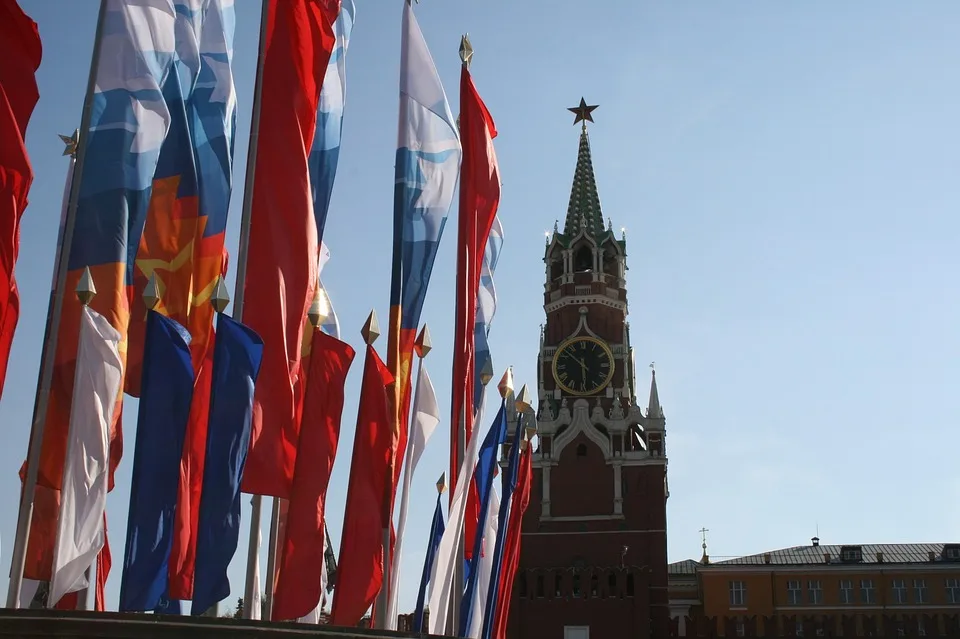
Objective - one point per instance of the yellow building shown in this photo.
(818, 590)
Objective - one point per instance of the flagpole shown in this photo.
(272, 559)
(55, 308)
(256, 504)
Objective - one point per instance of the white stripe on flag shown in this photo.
(83, 497)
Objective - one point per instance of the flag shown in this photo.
(183, 551)
(486, 565)
(325, 152)
(80, 530)
(426, 416)
(433, 543)
(182, 240)
(427, 165)
(298, 586)
(488, 602)
(161, 428)
(20, 43)
(360, 570)
(281, 268)
(257, 603)
(479, 198)
(511, 555)
(483, 480)
(129, 123)
(486, 305)
(104, 564)
(442, 575)
(236, 363)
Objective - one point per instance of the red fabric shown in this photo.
(70, 601)
(183, 554)
(104, 563)
(511, 549)
(479, 199)
(20, 43)
(282, 263)
(301, 563)
(360, 566)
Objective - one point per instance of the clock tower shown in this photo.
(593, 561)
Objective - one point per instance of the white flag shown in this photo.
(426, 416)
(441, 579)
(83, 496)
(257, 604)
(485, 566)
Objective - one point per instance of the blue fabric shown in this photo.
(236, 363)
(161, 430)
(436, 533)
(508, 488)
(167, 607)
(483, 476)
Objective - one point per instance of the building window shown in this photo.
(921, 628)
(867, 593)
(540, 588)
(814, 592)
(581, 450)
(741, 629)
(899, 589)
(738, 594)
(576, 585)
(794, 596)
(953, 590)
(920, 591)
(799, 629)
(523, 585)
(594, 586)
(846, 591)
(629, 585)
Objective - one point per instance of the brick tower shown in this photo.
(593, 561)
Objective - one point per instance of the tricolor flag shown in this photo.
(325, 152)
(427, 165)
(433, 543)
(182, 241)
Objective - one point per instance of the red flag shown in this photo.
(283, 260)
(360, 567)
(298, 583)
(183, 554)
(104, 563)
(20, 43)
(479, 199)
(511, 549)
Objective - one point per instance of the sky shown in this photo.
(787, 175)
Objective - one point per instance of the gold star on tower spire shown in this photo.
(583, 112)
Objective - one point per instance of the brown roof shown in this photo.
(808, 555)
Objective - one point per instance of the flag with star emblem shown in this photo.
(128, 127)
(182, 241)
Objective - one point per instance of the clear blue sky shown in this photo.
(787, 173)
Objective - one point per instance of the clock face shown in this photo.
(583, 366)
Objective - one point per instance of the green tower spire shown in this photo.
(584, 210)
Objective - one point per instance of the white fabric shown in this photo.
(257, 592)
(83, 496)
(313, 617)
(426, 416)
(441, 578)
(485, 566)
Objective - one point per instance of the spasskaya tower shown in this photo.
(593, 561)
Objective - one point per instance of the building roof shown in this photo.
(810, 554)
(685, 567)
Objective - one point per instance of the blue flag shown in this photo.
(236, 363)
(167, 391)
(508, 487)
(167, 606)
(436, 533)
(486, 464)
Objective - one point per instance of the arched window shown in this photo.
(523, 585)
(556, 269)
(583, 260)
(576, 585)
(630, 585)
(581, 450)
(610, 264)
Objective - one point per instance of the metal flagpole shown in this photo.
(271, 579)
(253, 549)
(51, 331)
